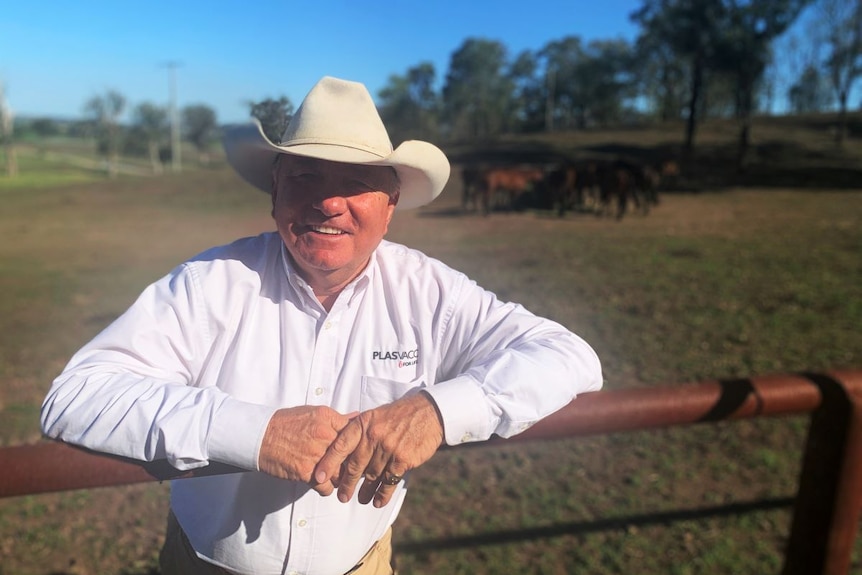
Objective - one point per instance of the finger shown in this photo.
(352, 471)
(374, 472)
(389, 483)
(344, 444)
(367, 490)
(324, 489)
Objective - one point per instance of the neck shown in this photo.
(327, 285)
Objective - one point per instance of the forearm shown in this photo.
(144, 418)
(510, 369)
(135, 389)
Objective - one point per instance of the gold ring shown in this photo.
(391, 479)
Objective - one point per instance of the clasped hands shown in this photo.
(332, 451)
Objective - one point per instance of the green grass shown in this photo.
(741, 282)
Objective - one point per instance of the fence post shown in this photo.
(828, 503)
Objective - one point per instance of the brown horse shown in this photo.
(562, 186)
(508, 182)
(471, 180)
(622, 182)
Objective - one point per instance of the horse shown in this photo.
(511, 181)
(562, 186)
(471, 177)
(576, 185)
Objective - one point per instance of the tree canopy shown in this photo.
(274, 116)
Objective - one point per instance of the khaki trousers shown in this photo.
(179, 558)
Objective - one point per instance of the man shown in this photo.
(323, 359)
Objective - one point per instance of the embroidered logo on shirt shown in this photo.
(404, 358)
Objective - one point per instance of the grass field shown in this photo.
(737, 279)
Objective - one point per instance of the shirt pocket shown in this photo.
(377, 391)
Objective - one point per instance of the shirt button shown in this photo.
(327, 325)
(302, 523)
(466, 437)
(318, 391)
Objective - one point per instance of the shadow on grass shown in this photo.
(544, 532)
(577, 528)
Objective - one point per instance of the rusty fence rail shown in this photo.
(826, 510)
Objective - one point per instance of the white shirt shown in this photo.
(194, 370)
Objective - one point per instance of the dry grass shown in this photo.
(734, 282)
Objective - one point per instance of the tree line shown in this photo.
(692, 60)
(148, 133)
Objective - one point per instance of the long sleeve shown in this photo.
(508, 368)
(133, 391)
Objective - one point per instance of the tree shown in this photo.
(151, 122)
(44, 127)
(842, 20)
(409, 104)
(563, 102)
(476, 94)
(688, 29)
(749, 29)
(199, 125)
(725, 37)
(105, 113)
(606, 81)
(529, 96)
(586, 85)
(274, 116)
(810, 93)
(661, 77)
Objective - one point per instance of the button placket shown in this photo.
(323, 363)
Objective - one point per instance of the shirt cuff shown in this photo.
(464, 408)
(236, 432)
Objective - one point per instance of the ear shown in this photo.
(390, 209)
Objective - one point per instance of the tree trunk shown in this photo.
(841, 128)
(744, 143)
(694, 100)
(744, 106)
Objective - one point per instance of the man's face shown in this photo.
(331, 216)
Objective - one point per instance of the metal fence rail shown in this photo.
(827, 508)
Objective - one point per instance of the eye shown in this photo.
(303, 176)
(359, 186)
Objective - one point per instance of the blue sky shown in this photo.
(55, 55)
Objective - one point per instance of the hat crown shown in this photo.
(339, 113)
(338, 122)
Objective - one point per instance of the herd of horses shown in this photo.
(604, 187)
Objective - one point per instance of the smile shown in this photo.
(326, 230)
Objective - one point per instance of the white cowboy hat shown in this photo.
(338, 121)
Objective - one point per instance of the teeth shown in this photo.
(327, 230)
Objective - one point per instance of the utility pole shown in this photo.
(176, 152)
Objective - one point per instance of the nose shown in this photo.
(330, 204)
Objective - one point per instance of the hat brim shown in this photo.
(422, 168)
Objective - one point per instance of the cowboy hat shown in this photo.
(338, 121)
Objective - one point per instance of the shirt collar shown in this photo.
(348, 294)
